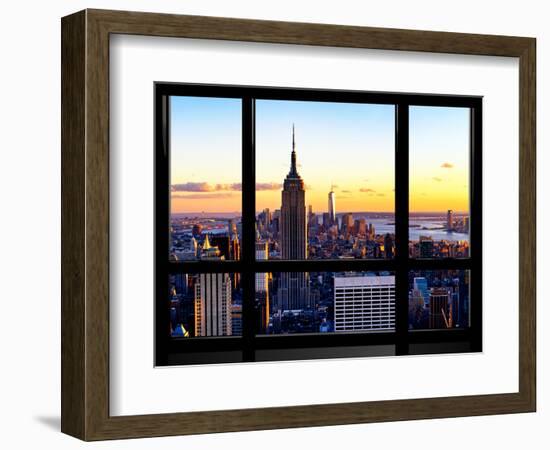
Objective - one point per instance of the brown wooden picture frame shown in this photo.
(85, 224)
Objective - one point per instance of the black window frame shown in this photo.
(251, 347)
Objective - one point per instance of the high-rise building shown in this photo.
(237, 320)
(347, 224)
(223, 244)
(212, 297)
(371, 232)
(364, 302)
(293, 212)
(196, 230)
(388, 245)
(235, 250)
(450, 225)
(455, 310)
(421, 284)
(232, 226)
(181, 281)
(262, 289)
(465, 224)
(332, 206)
(440, 310)
(213, 304)
(426, 247)
(262, 254)
(326, 221)
(293, 287)
(312, 222)
(417, 307)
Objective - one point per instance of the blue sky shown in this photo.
(348, 145)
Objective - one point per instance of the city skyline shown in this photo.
(329, 136)
(210, 304)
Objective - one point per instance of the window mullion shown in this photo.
(162, 225)
(402, 226)
(476, 227)
(248, 226)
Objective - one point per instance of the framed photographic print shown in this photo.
(317, 282)
(271, 224)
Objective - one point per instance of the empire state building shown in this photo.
(293, 212)
(293, 290)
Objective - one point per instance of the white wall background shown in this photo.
(30, 225)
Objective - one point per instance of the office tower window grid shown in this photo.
(266, 283)
(364, 303)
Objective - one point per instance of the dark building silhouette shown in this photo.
(293, 213)
(197, 230)
(223, 244)
(293, 287)
(440, 313)
(388, 246)
(426, 247)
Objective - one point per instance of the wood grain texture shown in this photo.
(527, 224)
(73, 227)
(85, 224)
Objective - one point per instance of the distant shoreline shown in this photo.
(426, 214)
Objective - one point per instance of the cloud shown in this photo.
(268, 186)
(202, 196)
(366, 190)
(207, 187)
(439, 180)
(447, 165)
(192, 187)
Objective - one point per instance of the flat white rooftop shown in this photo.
(364, 280)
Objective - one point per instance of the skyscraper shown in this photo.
(293, 212)
(212, 298)
(213, 305)
(440, 309)
(388, 246)
(416, 309)
(426, 247)
(332, 206)
(347, 224)
(262, 254)
(364, 302)
(262, 287)
(421, 284)
(293, 287)
(450, 225)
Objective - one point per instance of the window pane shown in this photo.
(325, 179)
(205, 178)
(323, 302)
(439, 299)
(206, 304)
(439, 164)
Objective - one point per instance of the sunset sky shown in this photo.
(350, 146)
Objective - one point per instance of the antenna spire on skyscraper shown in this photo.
(293, 170)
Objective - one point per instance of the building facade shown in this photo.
(213, 305)
(364, 303)
(293, 292)
(331, 207)
(440, 308)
